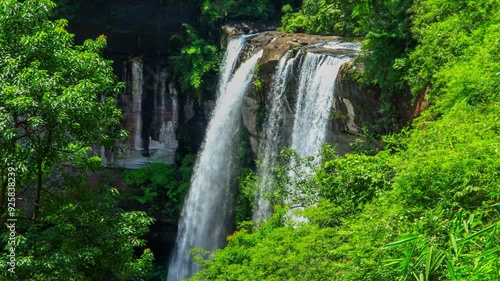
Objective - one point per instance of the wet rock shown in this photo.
(353, 106)
(138, 35)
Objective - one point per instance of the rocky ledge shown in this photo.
(353, 106)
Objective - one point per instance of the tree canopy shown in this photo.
(56, 101)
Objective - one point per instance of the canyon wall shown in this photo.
(353, 106)
(141, 38)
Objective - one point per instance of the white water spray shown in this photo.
(269, 147)
(206, 217)
(312, 113)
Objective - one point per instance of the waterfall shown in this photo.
(315, 94)
(355, 46)
(233, 51)
(312, 112)
(206, 217)
(314, 102)
(269, 147)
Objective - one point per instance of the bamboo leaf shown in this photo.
(404, 240)
(470, 238)
(454, 243)
(451, 270)
(406, 262)
(491, 238)
(437, 262)
(392, 262)
(428, 263)
(490, 252)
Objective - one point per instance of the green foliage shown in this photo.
(352, 181)
(458, 52)
(260, 115)
(320, 17)
(254, 10)
(244, 153)
(81, 236)
(447, 31)
(159, 188)
(216, 10)
(197, 59)
(469, 254)
(56, 99)
(367, 145)
(257, 256)
(426, 208)
(66, 9)
(246, 196)
(367, 202)
(293, 170)
(388, 42)
(451, 163)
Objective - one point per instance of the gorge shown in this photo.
(306, 103)
(206, 217)
(249, 140)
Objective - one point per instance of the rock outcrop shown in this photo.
(139, 42)
(353, 107)
(156, 116)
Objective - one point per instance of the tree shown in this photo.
(160, 188)
(81, 235)
(56, 99)
(197, 59)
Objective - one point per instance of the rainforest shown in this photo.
(250, 140)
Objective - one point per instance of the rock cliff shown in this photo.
(139, 37)
(353, 106)
(139, 34)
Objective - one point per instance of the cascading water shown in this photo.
(354, 46)
(269, 147)
(312, 112)
(233, 51)
(206, 217)
(314, 102)
(315, 91)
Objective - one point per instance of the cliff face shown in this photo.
(133, 27)
(352, 107)
(139, 43)
(160, 120)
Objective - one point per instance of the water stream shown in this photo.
(269, 147)
(206, 218)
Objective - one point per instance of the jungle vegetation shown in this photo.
(425, 207)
